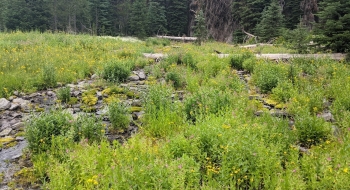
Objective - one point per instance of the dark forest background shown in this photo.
(225, 20)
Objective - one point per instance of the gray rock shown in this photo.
(14, 107)
(16, 93)
(71, 86)
(23, 103)
(76, 110)
(94, 76)
(4, 104)
(18, 126)
(136, 103)
(50, 93)
(141, 75)
(336, 131)
(278, 113)
(20, 138)
(124, 85)
(258, 113)
(327, 116)
(133, 78)
(5, 132)
(11, 98)
(102, 111)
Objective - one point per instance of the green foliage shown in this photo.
(334, 25)
(200, 27)
(177, 17)
(156, 19)
(48, 77)
(283, 92)
(87, 127)
(249, 64)
(41, 128)
(298, 38)
(157, 41)
(236, 61)
(175, 79)
(266, 76)
(311, 130)
(205, 102)
(63, 94)
(118, 115)
(138, 20)
(271, 23)
(115, 72)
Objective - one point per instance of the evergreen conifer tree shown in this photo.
(333, 29)
(200, 27)
(156, 18)
(138, 19)
(271, 22)
(177, 17)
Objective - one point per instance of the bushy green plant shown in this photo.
(40, 129)
(236, 61)
(48, 78)
(63, 94)
(311, 130)
(156, 41)
(115, 72)
(204, 102)
(283, 91)
(248, 64)
(118, 115)
(86, 127)
(266, 76)
(188, 60)
(175, 79)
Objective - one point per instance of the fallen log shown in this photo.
(334, 56)
(155, 56)
(255, 45)
(178, 38)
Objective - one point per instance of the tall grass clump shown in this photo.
(89, 128)
(266, 76)
(236, 61)
(118, 115)
(63, 94)
(115, 72)
(48, 77)
(41, 128)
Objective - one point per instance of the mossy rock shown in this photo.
(7, 140)
(72, 101)
(270, 102)
(131, 94)
(11, 144)
(88, 109)
(37, 109)
(280, 106)
(135, 109)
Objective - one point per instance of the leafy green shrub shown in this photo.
(118, 115)
(249, 64)
(63, 94)
(175, 78)
(48, 78)
(42, 127)
(86, 127)
(311, 130)
(204, 102)
(115, 72)
(236, 61)
(156, 41)
(283, 92)
(188, 60)
(267, 76)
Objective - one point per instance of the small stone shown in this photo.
(258, 113)
(71, 86)
(136, 103)
(336, 131)
(14, 107)
(50, 93)
(327, 116)
(76, 110)
(12, 97)
(124, 85)
(142, 75)
(23, 103)
(18, 126)
(17, 156)
(133, 78)
(4, 104)
(5, 132)
(94, 76)
(76, 93)
(16, 93)
(19, 138)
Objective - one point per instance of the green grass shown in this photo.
(211, 140)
